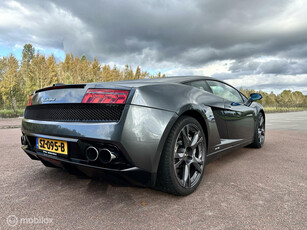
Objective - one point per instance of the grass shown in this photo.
(283, 109)
(9, 113)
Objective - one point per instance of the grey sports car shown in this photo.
(153, 132)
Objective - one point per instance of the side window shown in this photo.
(200, 85)
(225, 91)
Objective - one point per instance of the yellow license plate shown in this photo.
(52, 146)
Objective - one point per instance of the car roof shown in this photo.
(150, 81)
(173, 79)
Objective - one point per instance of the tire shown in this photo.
(182, 162)
(259, 135)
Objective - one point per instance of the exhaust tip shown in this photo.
(24, 140)
(106, 156)
(91, 153)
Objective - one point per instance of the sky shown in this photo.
(251, 44)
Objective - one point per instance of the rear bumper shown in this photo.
(140, 134)
(133, 175)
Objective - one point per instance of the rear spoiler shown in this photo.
(61, 86)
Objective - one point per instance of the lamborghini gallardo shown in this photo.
(154, 132)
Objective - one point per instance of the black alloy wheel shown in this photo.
(183, 159)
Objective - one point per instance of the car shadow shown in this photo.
(100, 185)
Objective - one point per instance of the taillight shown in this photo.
(106, 96)
(30, 100)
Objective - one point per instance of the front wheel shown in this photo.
(182, 161)
(259, 135)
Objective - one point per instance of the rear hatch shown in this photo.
(78, 103)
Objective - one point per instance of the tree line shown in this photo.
(19, 79)
(286, 98)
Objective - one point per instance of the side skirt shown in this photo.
(226, 146)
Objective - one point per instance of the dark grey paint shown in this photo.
(152, 108)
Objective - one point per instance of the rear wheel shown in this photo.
(259, 136)
(182, 161)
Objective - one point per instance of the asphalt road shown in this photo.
(296, 121)
(247, 189)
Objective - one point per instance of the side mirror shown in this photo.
(255, 97)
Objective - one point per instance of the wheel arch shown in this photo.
(187, 111)
(260, 111)
(263, 113)
(199, 117)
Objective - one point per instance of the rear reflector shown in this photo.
(30, 100)
(105, 96)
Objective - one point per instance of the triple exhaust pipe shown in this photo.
(104, 155)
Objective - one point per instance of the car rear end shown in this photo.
(95, 129)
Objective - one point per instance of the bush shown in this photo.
(283, 109)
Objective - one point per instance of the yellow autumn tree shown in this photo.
(52, 73)
(35, 70)
(10, 88)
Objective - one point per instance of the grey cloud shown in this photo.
(280, 66)
(168, 34)
(220, 29)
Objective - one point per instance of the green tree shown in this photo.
(271, 99)
(298, 98)
(66, 69)
(106, 74)
(9, 84)
(138, 73)
(285, 98)
(128, 73)
(39, 72)
(83, 70)
(95, 71)
(144, 74)
(2, 71)
(28, 53)
(83, 58)
(26, 77)
(2, 67)
(117, 75)
(52, 75)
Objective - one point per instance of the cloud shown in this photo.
(275, 66)
(242, 38)
(44, 25)
(269, 83)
